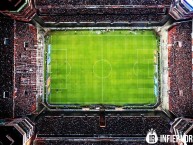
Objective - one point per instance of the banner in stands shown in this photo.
(49, 49)
(155, 80)
(156, 90)
(48, 90)
(48, 82)
(49, 54)
(48, 69)
(156, 68)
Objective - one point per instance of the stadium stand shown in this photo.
(102, 18)
(58, 124)
(88, 142)
(40, 3)
(89, 126)
(118, 11)
(180, 69)
(6, 67)
(25, 68)
(102, 11)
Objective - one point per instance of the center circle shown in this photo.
(102, 68)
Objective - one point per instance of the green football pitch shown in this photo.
(100, 67)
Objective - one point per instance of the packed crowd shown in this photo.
(102, 2)
(106, 11)
(6, 67)
(81, 11)
(89, 126)
(102, 14)
(180, 69)
(25, 68)
(103, 18)
(80, 141)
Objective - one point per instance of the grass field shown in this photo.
(94, 67)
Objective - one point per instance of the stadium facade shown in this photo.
(95, 72)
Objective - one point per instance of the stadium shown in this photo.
(96, 72)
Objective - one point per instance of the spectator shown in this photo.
(180, 69)
(6, 67)
(25, 68)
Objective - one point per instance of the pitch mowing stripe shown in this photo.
(76, 43)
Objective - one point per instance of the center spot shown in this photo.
(102, 68)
